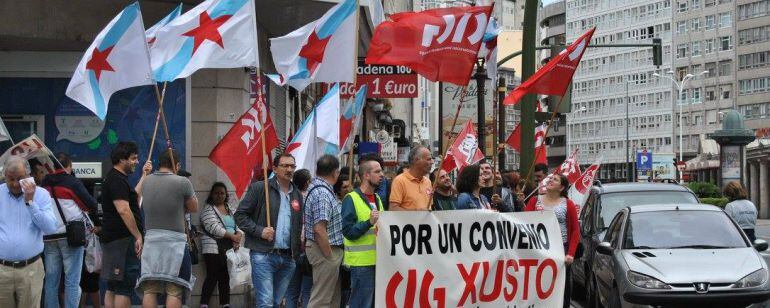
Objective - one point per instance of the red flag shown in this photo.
(239, 153)
(448, 164)
(570, 168)
(578, 193)
(554, 77)
(439, 44)
(465, 149)
(514, 140)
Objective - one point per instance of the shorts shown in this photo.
(125, 287)
(89, 282)
(162, 287)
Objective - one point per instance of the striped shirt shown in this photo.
(322, 205)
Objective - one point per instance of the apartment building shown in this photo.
(609, 80)
(552, 22)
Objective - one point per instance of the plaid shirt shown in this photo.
(322, 205)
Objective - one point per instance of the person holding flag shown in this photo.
(555, 199)
(360, 210)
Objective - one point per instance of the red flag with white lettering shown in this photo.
(578, 193)
(439, 44)
(239, 153)
(554, 77)
(514, 141)
(570, 168)
(465, 149)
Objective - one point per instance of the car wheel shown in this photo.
(592, 296)
(615, 298)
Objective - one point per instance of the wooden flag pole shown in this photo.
(547, 128)
(463, 92)
(264, 152)
(167, 135)
(159, 96)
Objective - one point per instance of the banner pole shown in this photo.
(264, 151)
(166, 132)
(160, 98)
(545, 135)
(463, 92)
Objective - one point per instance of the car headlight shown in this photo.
(754, 279)
(644, 281)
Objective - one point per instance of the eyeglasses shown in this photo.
(291, 166)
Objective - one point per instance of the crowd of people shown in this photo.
(312, 242)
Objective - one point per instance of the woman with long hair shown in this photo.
(743, 211)
(555, 199)
(470, 197)
(219, 235)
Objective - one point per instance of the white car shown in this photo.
(678, 255)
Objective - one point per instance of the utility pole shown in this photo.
(481, 78)
(528, 102)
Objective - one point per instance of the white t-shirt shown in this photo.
(744, 212)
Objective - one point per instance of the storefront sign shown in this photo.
(87, 170)
(389, 151)
(472, 258)
(383, 81)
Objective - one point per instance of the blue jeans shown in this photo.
(362, 286)
(299, 288)
(270, 275)
(58, 257)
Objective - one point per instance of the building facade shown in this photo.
(552, 21)
(610, 79)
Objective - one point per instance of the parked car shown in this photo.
(601, 206)
(680, 255)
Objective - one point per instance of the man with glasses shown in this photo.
(275, 244)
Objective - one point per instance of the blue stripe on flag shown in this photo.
(127, 17)
(99, 104)
(337, 18)
(302, 72)
(227, 7)
(171, 16)
(173, 67)
(333, 91)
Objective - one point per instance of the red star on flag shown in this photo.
(98, 62)
(208, 29)
(292, 146)
(313, 51)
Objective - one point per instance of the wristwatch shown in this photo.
(27, 202)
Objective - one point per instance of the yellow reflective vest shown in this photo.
(362, 251)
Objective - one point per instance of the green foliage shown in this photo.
(720, 202)
(705, 190)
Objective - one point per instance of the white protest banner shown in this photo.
(469, 258)
(29, 148)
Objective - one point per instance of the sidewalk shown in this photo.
(763, 222)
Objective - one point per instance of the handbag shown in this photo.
(191, 243)
(76, 230)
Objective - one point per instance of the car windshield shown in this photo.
(612, 203)
(681, 229)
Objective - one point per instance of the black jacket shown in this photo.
(251, 215)
(69, 191)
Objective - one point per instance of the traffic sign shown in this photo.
(643, 160)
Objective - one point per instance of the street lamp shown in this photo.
(680, 86)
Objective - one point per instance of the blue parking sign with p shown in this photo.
(643, 160)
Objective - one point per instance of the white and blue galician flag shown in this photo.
(318, 135)
(321, 51)
(116, 60)
(488, 49)
(350, 121)
(214, 34)
(151, 32)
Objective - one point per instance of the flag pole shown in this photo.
(166, 132)
(355, 79)
(264, 152)
(463, 92)
(495, 108)
(160, 98)
(547, 128)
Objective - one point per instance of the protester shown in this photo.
(323, 231)
(743, 211)
(555, 199)
(513, 182)
(360, 211)
(122, 227)
(165, 259)
(273, 245)
(25, 215)
(500, 198)
(72, 200)
(384, 187)
(219, 235)
(341, 188)
(540, 172)
(298, 293)
(444, 197)
(469, 197)
(412, 190)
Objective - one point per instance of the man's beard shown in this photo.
(128, 170)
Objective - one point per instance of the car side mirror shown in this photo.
(605, 248)
(760, 245)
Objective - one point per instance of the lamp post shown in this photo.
(680, 87)
(481, 78)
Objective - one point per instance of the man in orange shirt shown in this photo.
(412, 190)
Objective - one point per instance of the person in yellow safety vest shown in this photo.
(360, 210)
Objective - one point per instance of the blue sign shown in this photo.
(643, 160)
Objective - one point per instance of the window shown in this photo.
(682, 6)
(753, 10)
(754, 35)
(708, 46)
(695, 24)
(725, 68)
(725, 20)
(682, 51)
(695, 49)
(711, 67)
(696, 96)
(681, 27)
(753, 86)
(753, 60)
(725, 43)
(726, 89)
(681, 72)
(709, 3)
(695, 4)
(711, 116)
(710, 22)
(711, 93)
